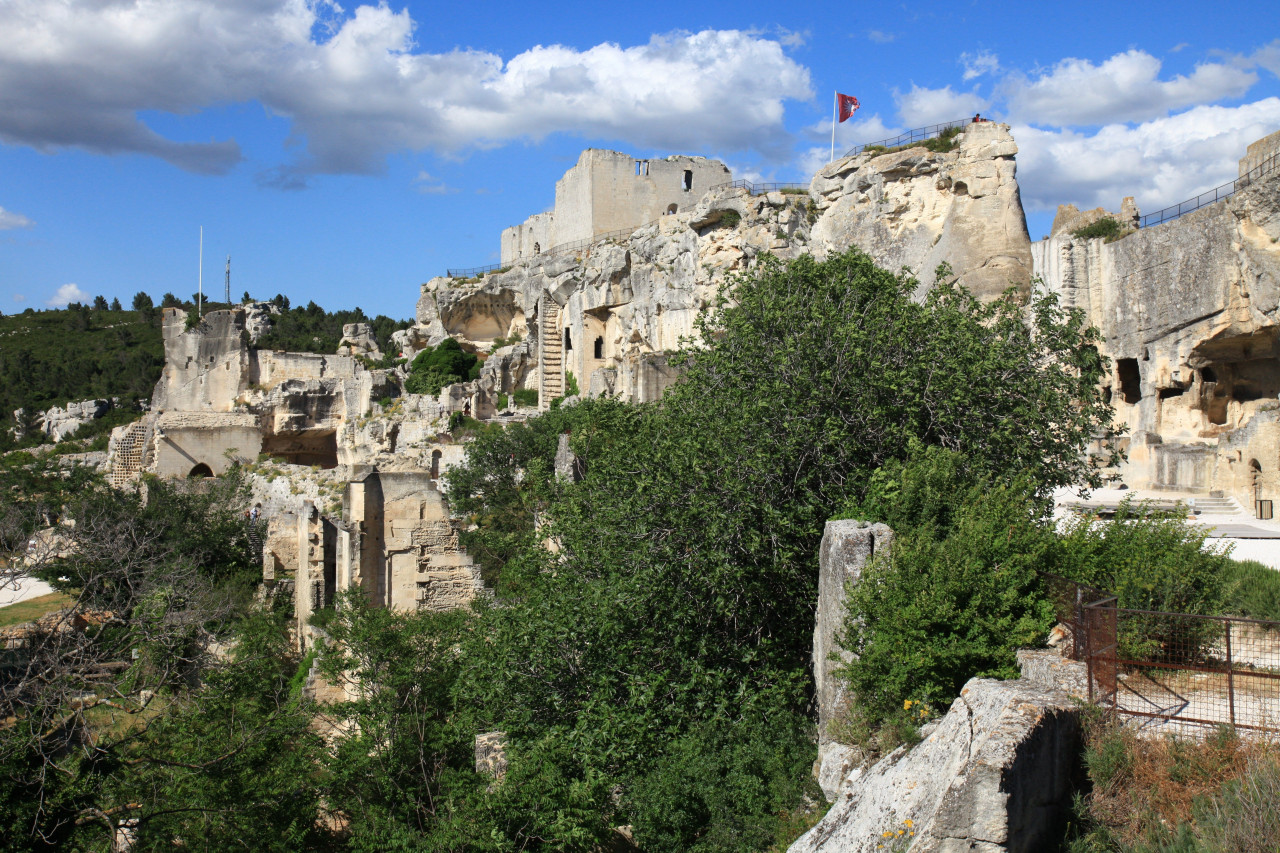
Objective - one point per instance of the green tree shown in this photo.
(142, 302)
(436, 367)
(682, 589)
(99, 303)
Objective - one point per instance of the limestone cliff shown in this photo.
(916, 209)
(1188, 309)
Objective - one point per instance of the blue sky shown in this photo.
(348, 153)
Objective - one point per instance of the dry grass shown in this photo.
(1148, 791)
(32, 609)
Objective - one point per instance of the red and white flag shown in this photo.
(848, 105)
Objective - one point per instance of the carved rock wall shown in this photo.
(1188, 309)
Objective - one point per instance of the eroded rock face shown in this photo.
(917, 209)
(994, 775)
(59, 422)
(1188, 310)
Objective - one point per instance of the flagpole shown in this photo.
(835, 98)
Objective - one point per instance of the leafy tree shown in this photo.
(436, 367)
(682, 591)
(170, 301)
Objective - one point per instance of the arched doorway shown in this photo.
(435, 464)
(1255, 478)
(201, 470)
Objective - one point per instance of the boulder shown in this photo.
(996, 775)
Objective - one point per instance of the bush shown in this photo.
(525, 396)
(957, 595)
(730, 219)
(1150, 560)
(1106, 228)
(571, 385)
(1251, 589)
(436, 367)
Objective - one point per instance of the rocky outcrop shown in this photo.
(1188, 310)
(996, 774)
(358, 339)
(59, 422)
(916, 209)
(847, 547)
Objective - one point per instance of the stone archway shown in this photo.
(199, 471)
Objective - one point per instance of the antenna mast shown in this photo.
(228, 281)
(200, 285)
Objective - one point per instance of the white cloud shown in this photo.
(1124, 88)
(1160, 162)
(19, 297)
(1268, 57)
(78, 73)
(10, 220)
(921, 107)
(67, 293)
(880, 37)
(426, 184)
(977, 64)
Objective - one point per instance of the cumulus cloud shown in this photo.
(65, 294)
(921, 107)
(1125, 88)
(78, 73)
(880, 37)
(9, 220)
(1160, 162)
(19, 297)
(978, 64)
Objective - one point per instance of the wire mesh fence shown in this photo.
(1174, 672)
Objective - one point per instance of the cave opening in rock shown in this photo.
(319, 449)
(435, 464)
(1130, 380)
(201, 470)
(1208, 374)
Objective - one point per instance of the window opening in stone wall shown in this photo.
(568, 342)
(599, 348)
(435, 464)
(637, 168)
(537, 248)
(1208, 375)
(201, 470)
(671, 209)
(1175, 391)
(1130, 380)
(687, 184)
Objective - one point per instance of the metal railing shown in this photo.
(919, 134)
(472, 272)
(761, 188)
(1263, 169)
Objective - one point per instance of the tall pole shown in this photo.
(835, 99)
(228, 281)
(200, 279)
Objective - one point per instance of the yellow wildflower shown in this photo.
(906, 704)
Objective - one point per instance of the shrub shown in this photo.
(1106, 228)
(730, 219)
(525, 396)
(571, 385)
(502, 401)
(1251, 589)
(1150, 560)
(958, 593)
(436, 367)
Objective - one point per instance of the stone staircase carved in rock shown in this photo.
(552, 362)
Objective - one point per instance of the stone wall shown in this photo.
(610, 191)
(408, 556)
(203, 443)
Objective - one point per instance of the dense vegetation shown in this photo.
(666, 643)
(436, 367)
(312, 329)
(647, 655)
(50, 358)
